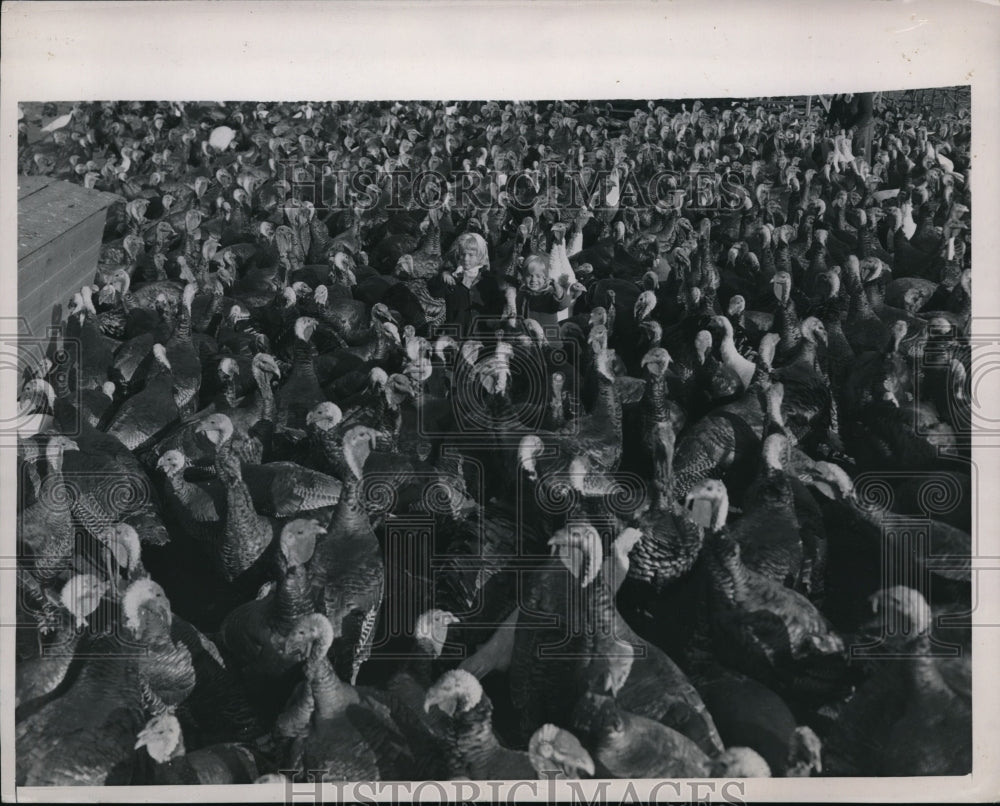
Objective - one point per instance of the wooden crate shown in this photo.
(59, 230)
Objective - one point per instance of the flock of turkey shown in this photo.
(312, 490)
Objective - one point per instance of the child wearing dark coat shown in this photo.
(538, 297)
(469, 289)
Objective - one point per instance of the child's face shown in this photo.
(469, 257)
(536, 277)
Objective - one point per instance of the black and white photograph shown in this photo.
(571, 440)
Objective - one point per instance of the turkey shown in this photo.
(473, 750)
(40, 675)
(335, 729)
(757, 624)
(630, 746)
(145, 416)
(308, 480)
(903, 707)
(534, 690)
(163, 739)
(347, 569)
(253, 634)
(246, 533)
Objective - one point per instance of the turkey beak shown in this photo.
(649, 359)
(575, 762)
(644, 306)
(526, 461)
(294, 649)
(702, 510)
(779, 289)
(106, 295)
(211, 434)
(441, 700)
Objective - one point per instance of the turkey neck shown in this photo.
(654, 402)
(421, 665)
(229, 393)
(728, 572)
(807, 353)
(243, 525)
(806, 235)
(128, 302)
(297, 253)
(766, 258)
(61, 541)
(842, 219)
(608, 405)
(875, 294)
(191, 248)
(350, 517)
(382, 345)
(951, 274)
(830, 313)
(866, 240)
(158, 641)
(924, 672)
(238, 219)
(389, 417)
(789, 325)
(432, 245)
(183, 489)
(330, 694)
(302, 361)
(663, 476)
(203, 276)
(293, 598)
(182, 331)
(817, 259)
(709, 270)
(266, 394)
(860, 305)
(783, 258)
(472, 740)
(668, 225)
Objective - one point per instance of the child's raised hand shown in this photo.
(448, 277)
(564, 281)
